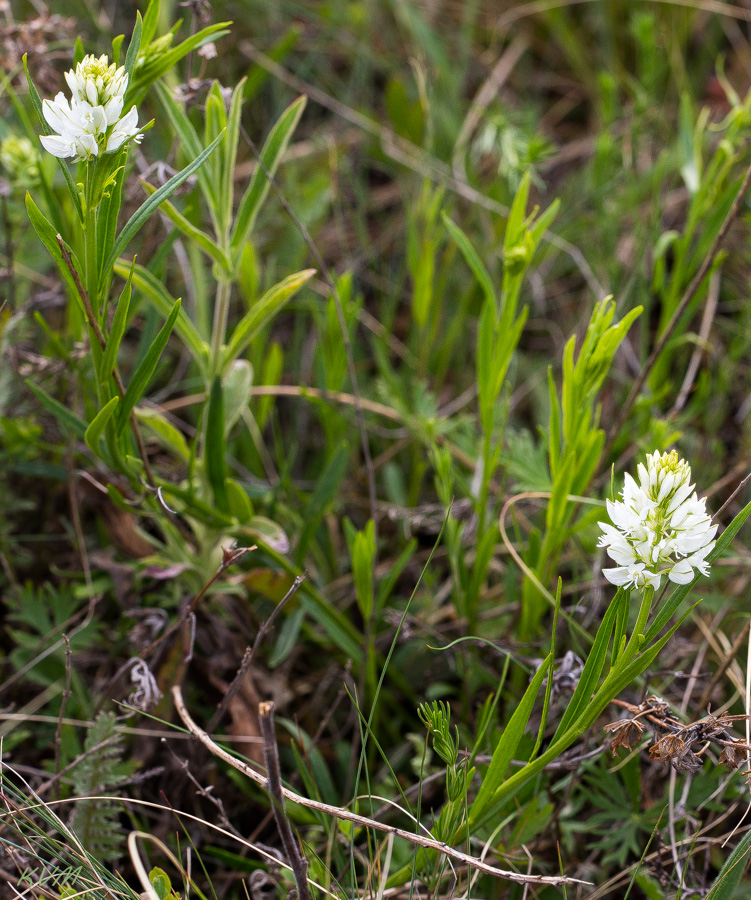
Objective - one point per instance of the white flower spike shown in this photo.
(661, 527)
(91, 122)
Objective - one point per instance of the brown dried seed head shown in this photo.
(733, 755)
(668, 747)
(626, 733)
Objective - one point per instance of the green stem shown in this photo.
(635, 642)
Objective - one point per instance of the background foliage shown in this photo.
(393, 370)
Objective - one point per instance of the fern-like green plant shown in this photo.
(100, 768)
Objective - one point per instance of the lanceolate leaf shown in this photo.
(48, 237)
(99, 423)
(117, 331)
(271, 156)
(142, 376)
(192, 231)
(215, 446)
(135, 44)
(157, 295)
(264, 310)
(147, 208)
(507, 745)
(65, 417)
(473, 261)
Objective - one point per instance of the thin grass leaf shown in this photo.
(326, 489)
(146, 209)
(96, 428)
(142, 376)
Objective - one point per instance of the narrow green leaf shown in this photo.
(109, 211)
(147, 208)
(119, 324)
(135, 44)
(725, 885)
(271, 155)
(48, 237)
(473, 260)
(95, 430)
(515, 223)
(592, 668)
(159, 64)
(190, 230)
(262, 311)
(231, 141)
(117, 46)
(155, 292)
(65, 417)
(164, 431)
(150, 22)
(142, 376)
(507, 745)
(36, 102)
(214, 447)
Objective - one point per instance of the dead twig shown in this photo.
(250, 653)
(363, 821)
(292, 850)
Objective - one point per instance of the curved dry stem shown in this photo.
(363, 821)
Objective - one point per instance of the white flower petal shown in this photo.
(57, 146)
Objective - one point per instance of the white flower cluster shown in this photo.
(661, 526)
(90, 123)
